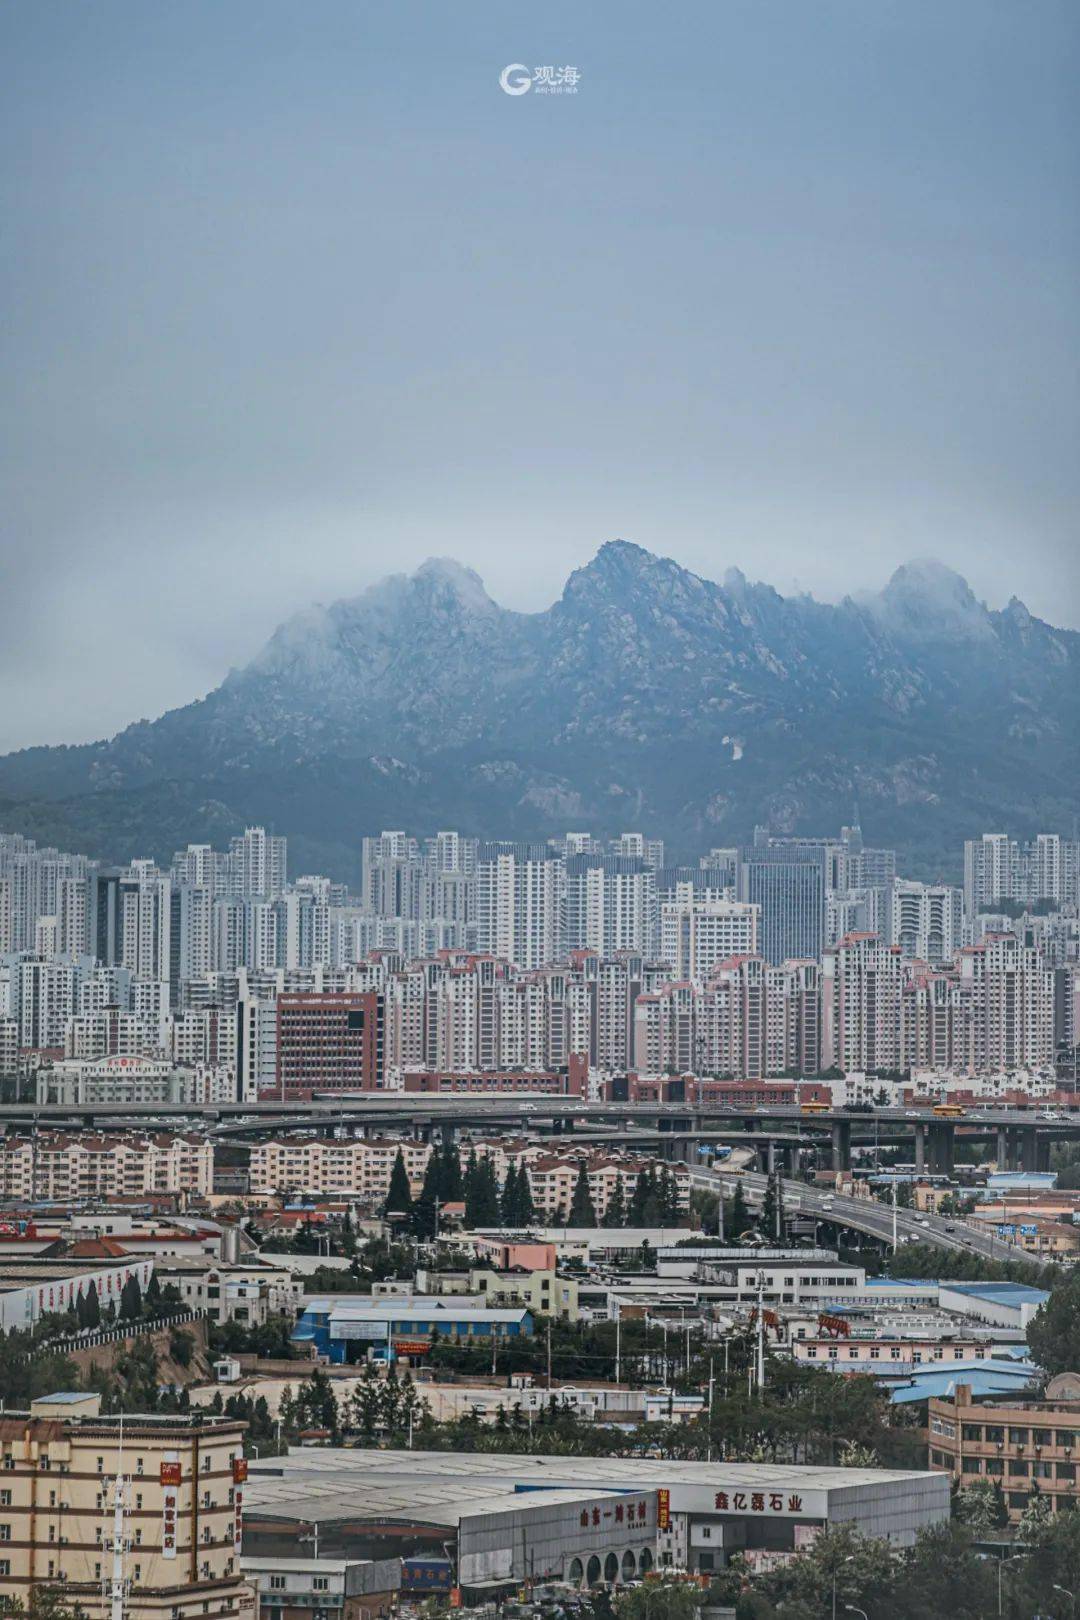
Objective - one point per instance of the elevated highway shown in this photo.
(1021, 1138)
(866, 1216)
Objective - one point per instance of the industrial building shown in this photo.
(507, 1518)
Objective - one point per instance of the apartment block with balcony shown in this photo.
(1023, 1445)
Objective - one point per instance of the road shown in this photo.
(863, 1215)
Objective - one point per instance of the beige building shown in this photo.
(1023, 1445)
(63, 1168)
(361, 1167)
(182, 1483)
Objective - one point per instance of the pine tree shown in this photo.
(740, 1215)
(652, 1210)
(399, 1193)
(615, 1214)
(131, 1300)
(582, 1212)
(92, 1317)
(636, 1215)
(767, 1220)
(481, 1194)
(424, 1210)
(509, 1200)
(451, 1189)
(669, 1197)
(525, 1212)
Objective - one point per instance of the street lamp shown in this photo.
(1064, 1590)
(850, 1559)
(853, 1608)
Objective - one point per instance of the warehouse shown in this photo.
(347, 1327)
(510, 1518)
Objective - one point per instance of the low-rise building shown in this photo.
(248, 1294)
(359, 1167)
(1024, 1445)
(57, 1166)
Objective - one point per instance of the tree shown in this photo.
(582, 1212)
(615, 1214)
(740, 1215)
(399, 1193)
(481, 1193)
(767, 1220)
(425, 1209)
(655, 1600)
(92, 1313)
(451, 1186)
(131, 1300)
(525, 1210)
(668, 1193)
(1053, 1333)
(976, 1506)
(1036, 1515)
(509, 1199)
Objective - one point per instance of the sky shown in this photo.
(294, 296)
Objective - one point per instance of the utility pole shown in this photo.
(618, 1344)
(549, 1355)
(894, 1192)
(761, 1333)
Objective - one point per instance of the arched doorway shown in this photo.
(575, 1573)
(611, 1568)
(646, 1561)
(592, 1571)
(629, 1565)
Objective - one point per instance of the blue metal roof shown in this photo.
(1000, 1293)
(981, 1377)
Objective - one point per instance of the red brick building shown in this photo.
(329, 1041)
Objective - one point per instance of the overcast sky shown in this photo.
(295, 296)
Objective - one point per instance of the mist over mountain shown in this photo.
(645, 697)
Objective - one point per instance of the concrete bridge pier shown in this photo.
(841, 1145)
(1001, 1151)
(920, 1150)
(941, 1148)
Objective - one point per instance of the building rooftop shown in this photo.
(1000, 1293)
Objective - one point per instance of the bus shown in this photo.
(815, 1107)
(949, 1110)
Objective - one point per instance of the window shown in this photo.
(1066, 1470)
(1066, 1438)
(320, 1583)
(1019, 1437)
(277, 1583)
(1043, 1437)
(5, 1566)
(1018, 1499)
(972, 1465)
(1017, 1465)
(995, 1435)
(5, 1532)
(994, 1465)
(972, 1431)
(5, 1498)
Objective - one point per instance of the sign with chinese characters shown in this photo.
(663, 1510)
(612, 1513)
(361, 1330)
(170, 1491)
(785, 1503)
(239, 1470)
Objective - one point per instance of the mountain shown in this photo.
(645, 697)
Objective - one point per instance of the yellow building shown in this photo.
(181, 1480)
